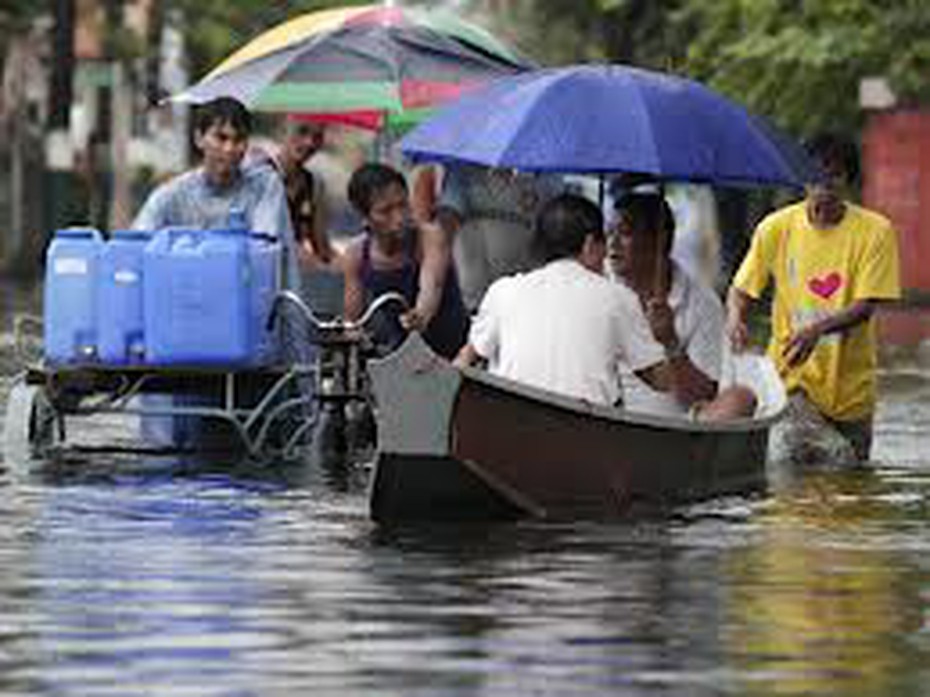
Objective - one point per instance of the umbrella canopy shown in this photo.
(359, 64)
(608, 119)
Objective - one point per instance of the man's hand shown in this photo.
(413, 320)
(662, 322)
(801, 345)
(737, 333)
(466, 356)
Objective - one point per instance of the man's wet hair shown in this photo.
(222, 111)
(563, 224)
(648, 213)
(368, 181)
(834, 152)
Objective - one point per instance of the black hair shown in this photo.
(648, 213)
(368, 181)
(563, 224)
(221, 111)
(834, 152)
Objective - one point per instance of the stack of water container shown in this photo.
(172, 297)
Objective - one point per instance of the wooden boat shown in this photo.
(468, 445)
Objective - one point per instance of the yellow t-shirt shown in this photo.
(820, 272)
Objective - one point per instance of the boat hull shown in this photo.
(496, 449)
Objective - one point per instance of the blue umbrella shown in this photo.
(608, 119)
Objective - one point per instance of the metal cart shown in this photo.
(267, 412)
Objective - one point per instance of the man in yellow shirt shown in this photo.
(832, 263)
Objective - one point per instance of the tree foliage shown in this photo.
(797, 61)
(801, 60)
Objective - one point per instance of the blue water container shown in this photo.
(119, 298)
(70, 296)
(207, 295)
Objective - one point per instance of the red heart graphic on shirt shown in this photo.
(825, 286)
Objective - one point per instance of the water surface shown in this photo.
(137, 575)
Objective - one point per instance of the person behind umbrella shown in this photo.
(685, 317)
(207, 195)
(563, 327)
(301, 140)
(394, 254)
(832, 263)
(488, 214)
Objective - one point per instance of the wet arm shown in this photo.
(354, 292)
(436, 259)
(803, 342)
(678, 376)
(738, 304)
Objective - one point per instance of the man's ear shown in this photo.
(592, 241)
(593, 250)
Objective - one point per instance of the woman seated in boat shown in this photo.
(563, 327)
(685, 317)
(395, 254)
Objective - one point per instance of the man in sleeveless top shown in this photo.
(394, 254)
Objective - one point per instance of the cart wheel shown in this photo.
(31, 425)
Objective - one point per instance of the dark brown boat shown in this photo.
(467, 445)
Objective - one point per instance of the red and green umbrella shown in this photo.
(367, 65)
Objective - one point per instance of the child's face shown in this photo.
(389, 212)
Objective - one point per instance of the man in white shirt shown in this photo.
(685, 316)
(563, 327)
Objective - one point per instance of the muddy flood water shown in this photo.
(137, 575)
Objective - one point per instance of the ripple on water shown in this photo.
(130, 575)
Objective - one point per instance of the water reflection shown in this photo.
(131, 575)
(825, 600)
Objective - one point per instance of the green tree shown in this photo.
(801, 61)
(797, 61)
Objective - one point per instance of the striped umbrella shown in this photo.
(367, 65)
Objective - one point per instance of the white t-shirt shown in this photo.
(699, 323)
(563, 328)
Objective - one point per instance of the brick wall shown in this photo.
(896, 181)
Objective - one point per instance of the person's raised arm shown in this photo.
(354, 292)
(436, 257)
(737, 331)
(677, 374)
(319, 223)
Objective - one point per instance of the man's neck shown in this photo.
(221, 183)
(826, 219)
(643, 279)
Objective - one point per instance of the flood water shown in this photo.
(135, 575)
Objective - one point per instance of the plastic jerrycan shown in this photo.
(71, 328)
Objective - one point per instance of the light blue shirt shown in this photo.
(190, 200)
